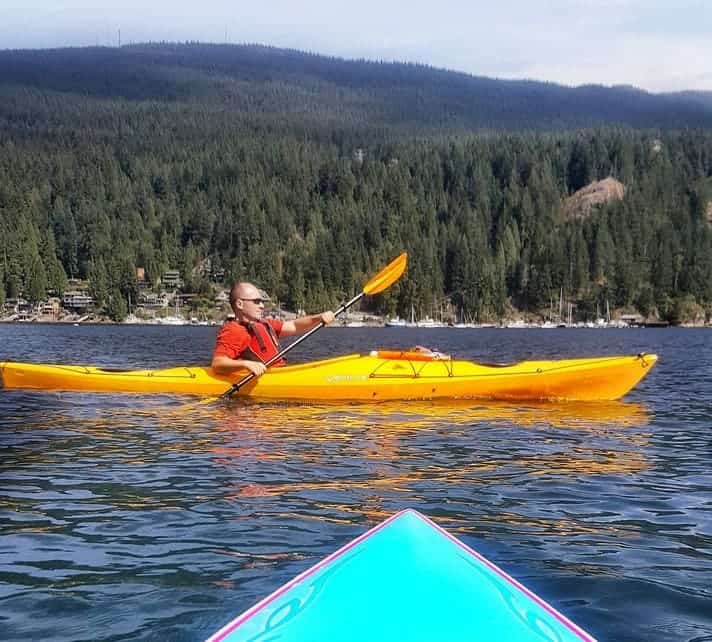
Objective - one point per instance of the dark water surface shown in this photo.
(131, 518)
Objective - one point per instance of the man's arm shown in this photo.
(304, 324)
(223, 365)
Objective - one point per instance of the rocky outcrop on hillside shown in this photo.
(581, 203)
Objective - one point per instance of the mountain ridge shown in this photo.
(263, 79)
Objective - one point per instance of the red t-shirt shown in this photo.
(233, 339)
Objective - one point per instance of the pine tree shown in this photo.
(36, 281)
(98, 282)
(116, 306)
(2, 285)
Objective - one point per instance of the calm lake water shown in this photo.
(132, 518)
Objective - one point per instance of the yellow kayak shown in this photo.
(378, 376)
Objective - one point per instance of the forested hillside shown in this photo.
(307, 174)
(279, 87)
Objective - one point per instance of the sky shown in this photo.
(657, 45)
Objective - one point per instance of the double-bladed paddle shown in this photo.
(384, 279)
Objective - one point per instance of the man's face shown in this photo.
(250, 304)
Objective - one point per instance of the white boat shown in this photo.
(430, 323)
(170, 320)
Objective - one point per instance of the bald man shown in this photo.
(250, 341)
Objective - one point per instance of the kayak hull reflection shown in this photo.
(360, 378)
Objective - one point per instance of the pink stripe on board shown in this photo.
(545, 605)
(241, 619)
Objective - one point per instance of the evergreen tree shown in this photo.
(116, 306)
(2, 285)
(98, 282)
(36, 281)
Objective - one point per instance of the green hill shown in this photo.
(351, 93)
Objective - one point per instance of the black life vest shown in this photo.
(263, 343)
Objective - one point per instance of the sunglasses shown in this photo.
(255, 301)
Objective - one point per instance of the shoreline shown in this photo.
(488, 326)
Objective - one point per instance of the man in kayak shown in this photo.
(250, 341)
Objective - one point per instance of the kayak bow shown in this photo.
(379, 376)
(405, 579)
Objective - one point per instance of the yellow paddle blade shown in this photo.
(387, 276)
